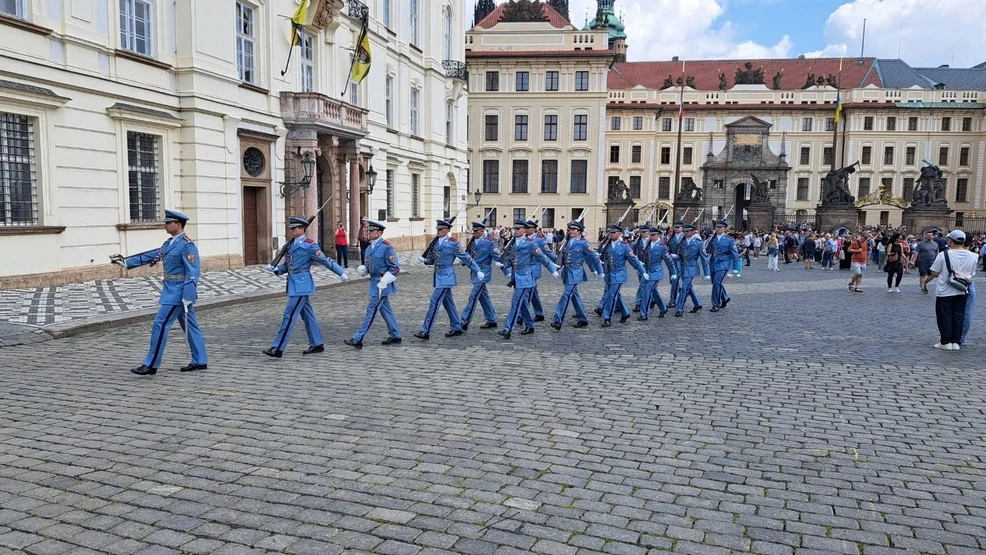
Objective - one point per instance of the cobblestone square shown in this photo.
(802, 418)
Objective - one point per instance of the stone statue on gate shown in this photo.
(619, 192)
(930, 189)
(761, 190)
(837, 187)
(690, 192)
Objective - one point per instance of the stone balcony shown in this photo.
(325, 114)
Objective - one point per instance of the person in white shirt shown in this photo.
(950, 301)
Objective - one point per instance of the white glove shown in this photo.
(707, 278)
(735, 273)
(674, 257)
(674, 278)
(270, 268)
(343, 277)
(361, 270)
(186, 303)
(422, 259)
(480, 275)
(556, 275)
(646, 276)
(602, 275)
(381, 286)
(499, 264)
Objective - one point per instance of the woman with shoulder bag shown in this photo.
(896, 253)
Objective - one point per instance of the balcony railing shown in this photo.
(323, 112)
(455, 70)
(357, 10)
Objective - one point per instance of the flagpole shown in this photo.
(681, 120)
(838, 102)
(364, 27)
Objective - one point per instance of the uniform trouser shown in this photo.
(686, 290)
(641, 290)
(480, 295)
(298, 307)
(519, 308)
(652, 296)
(602, 300)
(675, 283)
(570, 295)
(166, 316)
(441, 296)
(536, 300)
(718, 289)
(970, 303)
(379, 303)
(614, 301)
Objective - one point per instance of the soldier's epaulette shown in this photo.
(453, 239)
(386, 242)
(309, 240)
(188, 239)
(625, 242)
(531, 239)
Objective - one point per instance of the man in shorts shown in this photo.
(859, 249)
(924, 256)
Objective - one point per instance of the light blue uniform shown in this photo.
(690, 257)
(574, 256)
(298, 261)
(483, 252)
(723, 257)
(673, 244)
(536, 305)
(523, 258)
(615, 265)
(640, 251)
(380, 259)
(655, 255)
(442, 257)
(182, 270)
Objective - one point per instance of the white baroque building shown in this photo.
(112, 111)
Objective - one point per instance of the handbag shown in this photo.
(959, 283)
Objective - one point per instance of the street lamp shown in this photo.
(371, 178)
(308, 166)
(477, 195)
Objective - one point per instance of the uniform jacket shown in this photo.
(656, 255)
(483, 252)
(182, 268)
(640, 250)
(674, 242)
(615, 262)
(690, 256)
(380, 259)
(573, 257)
(298, 261)
(722, 251)
(523, 258)
(443, 257)
(540, 242)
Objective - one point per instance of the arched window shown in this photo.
(447, 25)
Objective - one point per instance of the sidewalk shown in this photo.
(35, 315)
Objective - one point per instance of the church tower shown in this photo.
(483, 9)
(606, 19)
(560, 6)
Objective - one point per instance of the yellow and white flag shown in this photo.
(361, 58)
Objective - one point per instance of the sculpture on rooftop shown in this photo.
(748, 75)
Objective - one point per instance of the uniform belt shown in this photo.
(300, 272)
(174, 276)
(442, 266)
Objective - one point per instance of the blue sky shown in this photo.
(923, 32)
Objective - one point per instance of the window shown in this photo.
(491, 176)
(962, 190)
(888, 184)
(665, 155)
(806, 124)
(390, 193)
(802, 188)
(447, 26)
(635, 186)
(908, 192)
(614, 154)
(964, 156)
(414, 113)
(912, 123)
(891, 123)
(520, 214)
(520, 128)
(580, 173)
(18, 193)
(867, 157)
(549, 176)
(520, 176)
(686, 156)
(135, 25)
(868, 123)
(805, 158)
(888, 155)
(390, 101)
(864, 186)
(245, 60)
(446, 202)
(581, 127)
(492, 80)
(830, 124)
(143, 172)
(581, 80)
(492, 127)
(13, 8)
(548, 218)
(943, 156)
(415, 195)
(909, 156)
(449, 118)
(638, 123)
(307, 47)
(353, 87)
(551, 128)
(666, 124)
(551, 81)
(967, 124)
(614, 123)
(959, 219)
(523, 81)
(387, 22)
(664, 188)
(828, 156)
(413, 21)
(946, 124)
(689, 124)
(635, 154)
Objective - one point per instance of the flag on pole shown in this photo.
(361, 57)
(298, 20)
(838, 106)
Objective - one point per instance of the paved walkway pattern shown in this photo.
(801, 419)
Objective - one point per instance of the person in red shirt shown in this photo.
(342, 246)
(859, 250)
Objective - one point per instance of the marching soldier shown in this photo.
(484, 252)
(523, 255)
(723, 256)
(641, 251)
(674, 242)
(382, 267)
(655, 255)
(297, 265)
(442, 257)
(532, 228)
(182, 271)
(574, 255)
(690, 256)
(615, 268)
(604, 247)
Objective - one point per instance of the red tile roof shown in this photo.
(555, 19)
(856, 72)
(538, 53)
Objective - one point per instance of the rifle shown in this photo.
(434, 240)
(287, 244)
(564, 242)
(606, 241)
(699, 216)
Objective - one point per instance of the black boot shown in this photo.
(607, 323)
(193, 367)
(313, 350)
(274, 353)
(143, 370)
(527, 331)
(487, 326)
(641, 318)
(556, 325)
(661, 315)
(598, 311)
(678, 314)
(422, 335)
(714, 309)
(353, 343)
(581, 324)
(695, 309)
(465, 327)
(539, 318)
(391, 341)
(623, 319)
(504, 334)
(454, 333)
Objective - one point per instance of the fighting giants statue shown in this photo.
(930, 189)
(761, 190)
(837, 187)
(690, 192)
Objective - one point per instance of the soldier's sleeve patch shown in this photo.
(318, 254)
(191, 258)
(391, 258)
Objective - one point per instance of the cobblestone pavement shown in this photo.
(803, 418)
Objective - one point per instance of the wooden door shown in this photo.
(250, 226)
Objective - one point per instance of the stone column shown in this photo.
(354, 210)
(302, 202)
